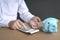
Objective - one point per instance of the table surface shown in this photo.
(7, 34)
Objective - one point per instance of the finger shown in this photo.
(39, 24)
(36, 23)
(19, 25)
(14, 25)
(33, 24)
(20, 22)
(38, 19)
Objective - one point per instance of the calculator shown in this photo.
(29, 30)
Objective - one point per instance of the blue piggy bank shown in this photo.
(50, 25)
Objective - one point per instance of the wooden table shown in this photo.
(7, 34)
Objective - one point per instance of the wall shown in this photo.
(44, 8)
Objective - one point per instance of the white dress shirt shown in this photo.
(9, 9)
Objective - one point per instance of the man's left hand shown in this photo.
(35, 22)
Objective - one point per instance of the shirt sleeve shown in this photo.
(4, 20)
(23, 10)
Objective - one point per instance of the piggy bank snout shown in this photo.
(52, 28)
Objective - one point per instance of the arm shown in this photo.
(25, 15)
(24, 12)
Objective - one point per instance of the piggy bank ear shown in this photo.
(47, 19)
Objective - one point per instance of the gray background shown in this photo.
(44, 8)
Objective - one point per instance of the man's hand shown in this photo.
(17, 24)
(35, 22)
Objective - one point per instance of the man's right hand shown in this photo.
(17, 24)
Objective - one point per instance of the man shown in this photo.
(8, 15)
